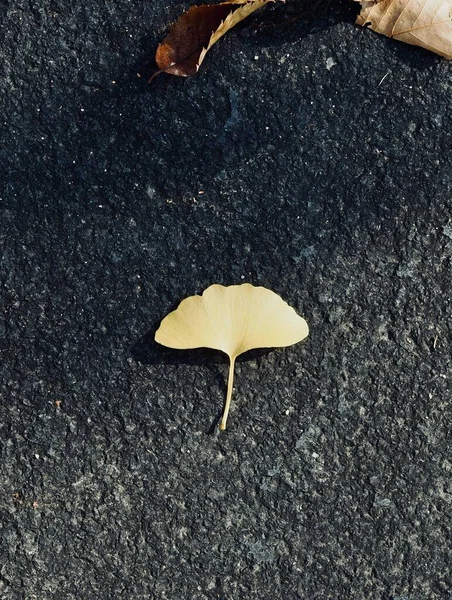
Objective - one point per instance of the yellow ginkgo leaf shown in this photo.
(232, 319)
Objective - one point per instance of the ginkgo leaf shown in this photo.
(232, 319)
(425, 23)
(196, 31)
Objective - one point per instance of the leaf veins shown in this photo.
(425, 23)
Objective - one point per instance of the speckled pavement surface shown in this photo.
(309, 156)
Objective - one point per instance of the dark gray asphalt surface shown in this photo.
(308, 156)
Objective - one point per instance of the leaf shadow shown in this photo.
(146, 351)
(413, 57)
(282, 23)
(294, 20)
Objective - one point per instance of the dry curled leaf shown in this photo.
(232, 319)
(425, 23)
(196, 31)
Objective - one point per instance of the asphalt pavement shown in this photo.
(309, 156)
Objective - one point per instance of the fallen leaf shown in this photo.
(425, 23)
(232, 319)
(196, 31)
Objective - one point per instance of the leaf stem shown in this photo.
(229, 393)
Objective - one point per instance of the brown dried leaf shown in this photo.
(425, 23)
(196, 31)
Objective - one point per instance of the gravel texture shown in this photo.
(309, 156)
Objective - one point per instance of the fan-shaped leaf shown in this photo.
(232, 319)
